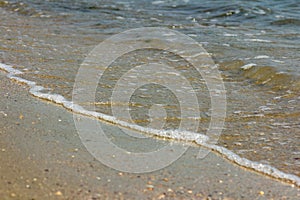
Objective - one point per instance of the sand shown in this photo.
(42, 157)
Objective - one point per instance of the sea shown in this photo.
(255, 47)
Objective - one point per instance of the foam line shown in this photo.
(188, 136)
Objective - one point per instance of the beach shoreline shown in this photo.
(261, 123)
(43, 156)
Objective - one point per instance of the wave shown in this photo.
(186, 136)
(262, 75)
(289, 21)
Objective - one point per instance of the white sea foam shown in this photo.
(200, 139)
(261, 57)
(257, 40)
(230, 35)
(248, 66)
(158, 2)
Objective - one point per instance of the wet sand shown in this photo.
(262, 124)
(42, 157)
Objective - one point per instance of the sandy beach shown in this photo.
(255, 46)
(42, 157)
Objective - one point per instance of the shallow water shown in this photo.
(48, 40)
(266, 33)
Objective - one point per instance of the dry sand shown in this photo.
(42, 157)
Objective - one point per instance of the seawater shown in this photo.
(186, 136)
(264, 32)
(255, 44)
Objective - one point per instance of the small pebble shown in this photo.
(170, 190)
(150, 187)
(13, 195)
(261, 193)
(120, 174)
(162, 196)
(58, 193)
(165, 179)
(238, 143)
(190, 192)
(3, 150)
